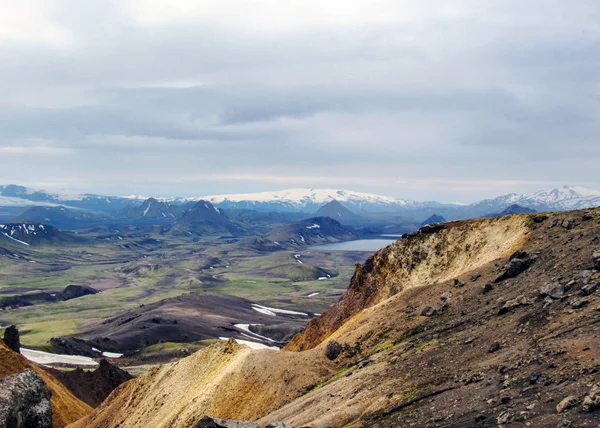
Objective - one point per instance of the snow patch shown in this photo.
(274, 311)
(15, 239)
(252, 345)
(41, 357)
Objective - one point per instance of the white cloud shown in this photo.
(431, 99)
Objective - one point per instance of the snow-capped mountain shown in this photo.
(559, 199)
(309, 200)
(87, 201)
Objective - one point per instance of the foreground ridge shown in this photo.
(472, 323)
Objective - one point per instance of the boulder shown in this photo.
(566, 403)
(25, 401)
(596, 259)
(577, 303)
(509, 305)
(555, 291)
(428, 311)
(539, 218)
(591, 401)
(504, 418)
(12, 339)
(458, 283)
(210, 422)
(494, 347)
(333, 350)
(590, 288)
(514, 268)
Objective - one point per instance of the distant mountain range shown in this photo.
(310, 200)
(302, 200)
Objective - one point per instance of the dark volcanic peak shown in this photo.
(27, 233)
(336, 211)
(92, 387)
(204, 218)
(435, 218)
(517, 209)
(316, 230)
(512, 209)
(154, 209)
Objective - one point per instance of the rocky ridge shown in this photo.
(488, 322)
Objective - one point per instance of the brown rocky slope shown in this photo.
(66, 408)
(483, 323)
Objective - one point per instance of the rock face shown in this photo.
(25, 401)
(11, 338)
(92, 387)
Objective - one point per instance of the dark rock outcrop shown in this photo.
(75, 291)
(596, 258)
(25, 401)
(514, 268)
(93, 387)
(209, 422)
(333, 350)
(12, 339)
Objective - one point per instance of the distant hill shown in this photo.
(193, 317)
(153, 209)
(87, 201)
(336, 211)
(28, 233)
(513, 209)
(206, 219)
(435, 218)
(61, 217)
(317, 230)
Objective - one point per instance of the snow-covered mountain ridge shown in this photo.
(310, 200)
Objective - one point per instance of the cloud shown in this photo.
(422, 100)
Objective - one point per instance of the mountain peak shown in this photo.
(336, 210)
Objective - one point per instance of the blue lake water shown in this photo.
(358, 245)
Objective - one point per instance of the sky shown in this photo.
(434, 99)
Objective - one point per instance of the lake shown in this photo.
(358, 245)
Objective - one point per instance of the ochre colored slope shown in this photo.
(66, 408)
(419, 260)
(227, 381)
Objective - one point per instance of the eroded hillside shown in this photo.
(482, 323)
(434, 254)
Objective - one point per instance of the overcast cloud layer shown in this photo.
(447, 100)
